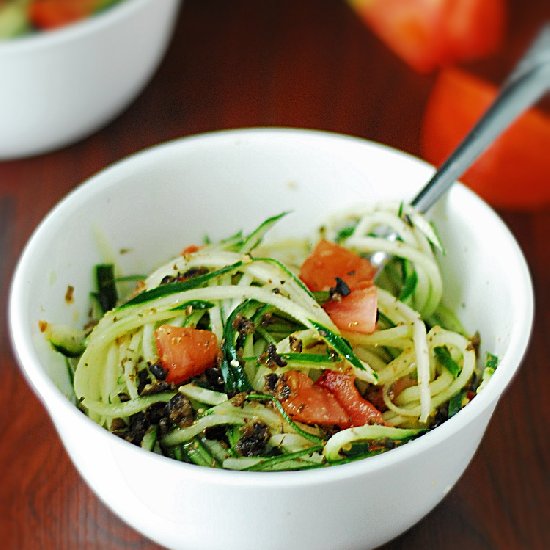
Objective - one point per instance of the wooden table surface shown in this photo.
(241, 63)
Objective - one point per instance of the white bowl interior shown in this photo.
(147, 208)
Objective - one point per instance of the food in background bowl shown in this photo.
(143, 210)
(19, 17)
(228, 357)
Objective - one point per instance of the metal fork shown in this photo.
(527, 83)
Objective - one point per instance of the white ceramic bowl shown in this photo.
(154, 203)
(61, 85)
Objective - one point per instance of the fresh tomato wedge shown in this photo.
(355, 312)
(328, 261)
(185, 352)
(310, 403)
(51, 14)
(342, 386)
(513, 172)
(331, 401)
(432, 33)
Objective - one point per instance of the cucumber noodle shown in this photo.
(242, 277)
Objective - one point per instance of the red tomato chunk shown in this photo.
(312, 404)
(331, 401)
(428, 34)
(342, 386)
(52, 14)
(328, 261)
(185, 352)
(355, 312)
(513, 172)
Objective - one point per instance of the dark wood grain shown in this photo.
(308, 64)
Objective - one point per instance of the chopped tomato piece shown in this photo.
(433, 33)
(185, 352)
(513, 172)
(328, 261)
(191, 249)
(310, 403)
(331, 401)
(51, 14)
(355, 312)
(342, 386)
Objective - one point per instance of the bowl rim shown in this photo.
(47, 392)
(74, 31)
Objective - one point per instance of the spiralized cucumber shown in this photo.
(270, 325)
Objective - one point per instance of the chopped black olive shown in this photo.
(215, 379)
(239, 399)
(243, 325)
(216, 433)
(156, 412)
(143, 380)
(271, 358)
(282, 389)
(157, 371)
(254, 438)
(271, 382)
(117, 424)
(137, 427)
(180, 412)
(339, 290)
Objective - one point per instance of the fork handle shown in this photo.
(529, 81)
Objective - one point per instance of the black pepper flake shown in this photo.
(195, 272)
(69, 294)
(295, 344)
(441, 416)
(407, 219)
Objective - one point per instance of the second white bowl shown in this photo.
(61, 85)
